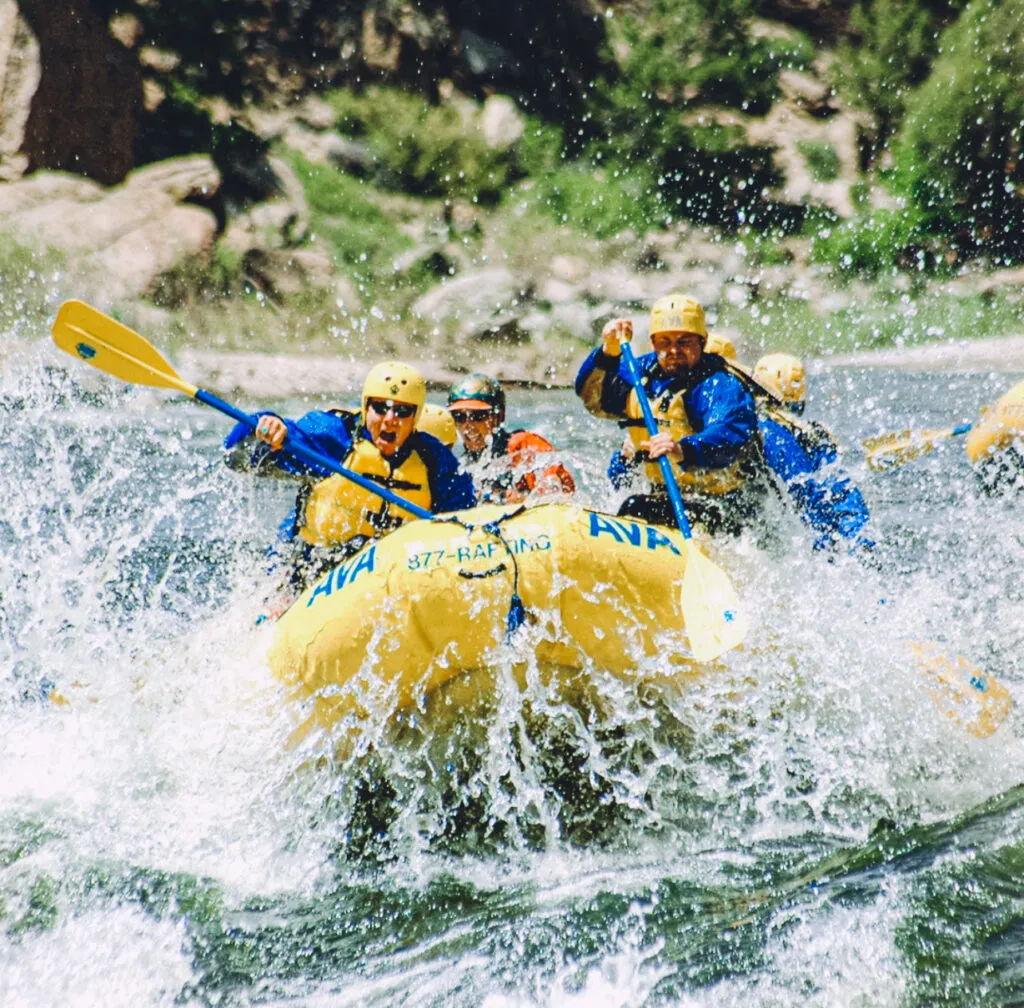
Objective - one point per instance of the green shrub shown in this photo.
(598, 202)
(860, 196)
(822, 159)
(697, 51)
(27, 280)
(541, 148)
(793, 51)
(895, 41)
(881, 315)
(192, 281)
(959, 153)
(364, 239)
(424, 149)
(871, 245)
(681, 56)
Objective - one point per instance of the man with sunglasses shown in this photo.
(504, 463)
(707, 422)
(334, 517)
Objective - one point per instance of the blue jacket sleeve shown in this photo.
(451, 487)
(829, 501)
(619, 471)
(326, 433)
(723, 412)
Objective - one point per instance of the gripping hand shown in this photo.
(614, 334)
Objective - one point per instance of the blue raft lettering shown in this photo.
(656, 539)
(621, 531)
(365, 564)
(346, 572)
(324, 588)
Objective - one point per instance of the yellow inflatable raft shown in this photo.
(428, 603)
(1000, 425)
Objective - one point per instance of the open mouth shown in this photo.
(388, 436)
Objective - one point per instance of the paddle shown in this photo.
(887, 451)
(710, 607)
(103, 343)
(963, 692)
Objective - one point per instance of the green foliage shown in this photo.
(27, 282)
(424, 149)
(959, 154)
(860, 196)
(683, 54)
(871, 245)
(364, 239)
(541, 148)
(792, 51)
(685, 51)
(598, 202)
(42, 912)
(193, 281)
(822, 159)
(895, 43)
(879, 315)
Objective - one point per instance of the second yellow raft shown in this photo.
(1000, 425)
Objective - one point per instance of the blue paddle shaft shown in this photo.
(652, 428)
(314, 458)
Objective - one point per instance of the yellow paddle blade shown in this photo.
(711, 610)
(963, 692)
(103, 343)
(885, 451)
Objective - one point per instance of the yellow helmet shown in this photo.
(678, 313)
(394, 380)
(784, 376)
(438, 421)
(721, 345)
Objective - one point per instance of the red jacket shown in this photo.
(523, 447)
(518, 450)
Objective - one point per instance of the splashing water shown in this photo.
(802, 824)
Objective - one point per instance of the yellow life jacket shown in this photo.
(336, 509)
(670, 413)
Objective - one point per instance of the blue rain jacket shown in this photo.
(826, 497)
(332, 434)
(720, 409)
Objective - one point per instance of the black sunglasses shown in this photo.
(381, 406)
(470, 415)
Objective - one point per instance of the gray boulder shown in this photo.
(501, 122)
(124, 237)
(479, 302)
(19, 78)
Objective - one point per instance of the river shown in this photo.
(805, 827)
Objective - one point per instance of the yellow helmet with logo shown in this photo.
(784, 376)
(721, 345)
(394, 380)
(678, 313)
(438, 421)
